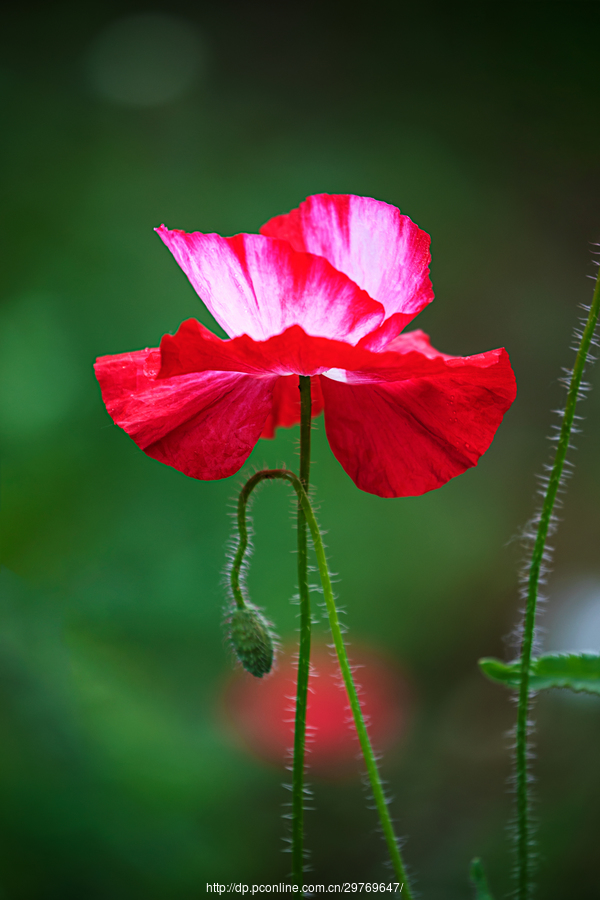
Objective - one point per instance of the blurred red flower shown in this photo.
(323, 291)
(261, 712)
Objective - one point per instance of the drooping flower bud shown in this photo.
(252, 640)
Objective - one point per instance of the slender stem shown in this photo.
(242, 546)
(524, 858)
(363, 736)
(304, 647)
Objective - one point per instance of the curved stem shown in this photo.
(361, 729)
(524, 859)
(304, 646)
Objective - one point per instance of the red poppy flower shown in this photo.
(323, 291)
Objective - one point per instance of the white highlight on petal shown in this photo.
(337, 375)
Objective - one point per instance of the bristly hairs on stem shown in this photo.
(376, 784)
(536, 534)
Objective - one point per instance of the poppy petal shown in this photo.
(404, 438)
(384, 252)
(259, 286)
(196, 349)
(204, 424)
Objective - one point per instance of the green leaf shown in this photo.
(503, 673)
(576, 671)
(482, 891)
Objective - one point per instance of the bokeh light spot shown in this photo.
(261, 710)
(575, 623)
(145, 60)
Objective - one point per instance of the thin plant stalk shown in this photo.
(524, 854)
(338, 640)
(298, 762)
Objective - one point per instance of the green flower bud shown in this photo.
(252, 640)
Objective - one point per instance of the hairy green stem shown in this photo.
(524, 855)
(304, 645)
(361, 729)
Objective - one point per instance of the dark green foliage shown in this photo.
(251, 640)
(576, 671)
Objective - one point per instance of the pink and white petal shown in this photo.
(384, 252)
(405, 438)
(204, 424)
(285, 410)
(260, 286)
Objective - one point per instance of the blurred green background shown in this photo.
(118, 776)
